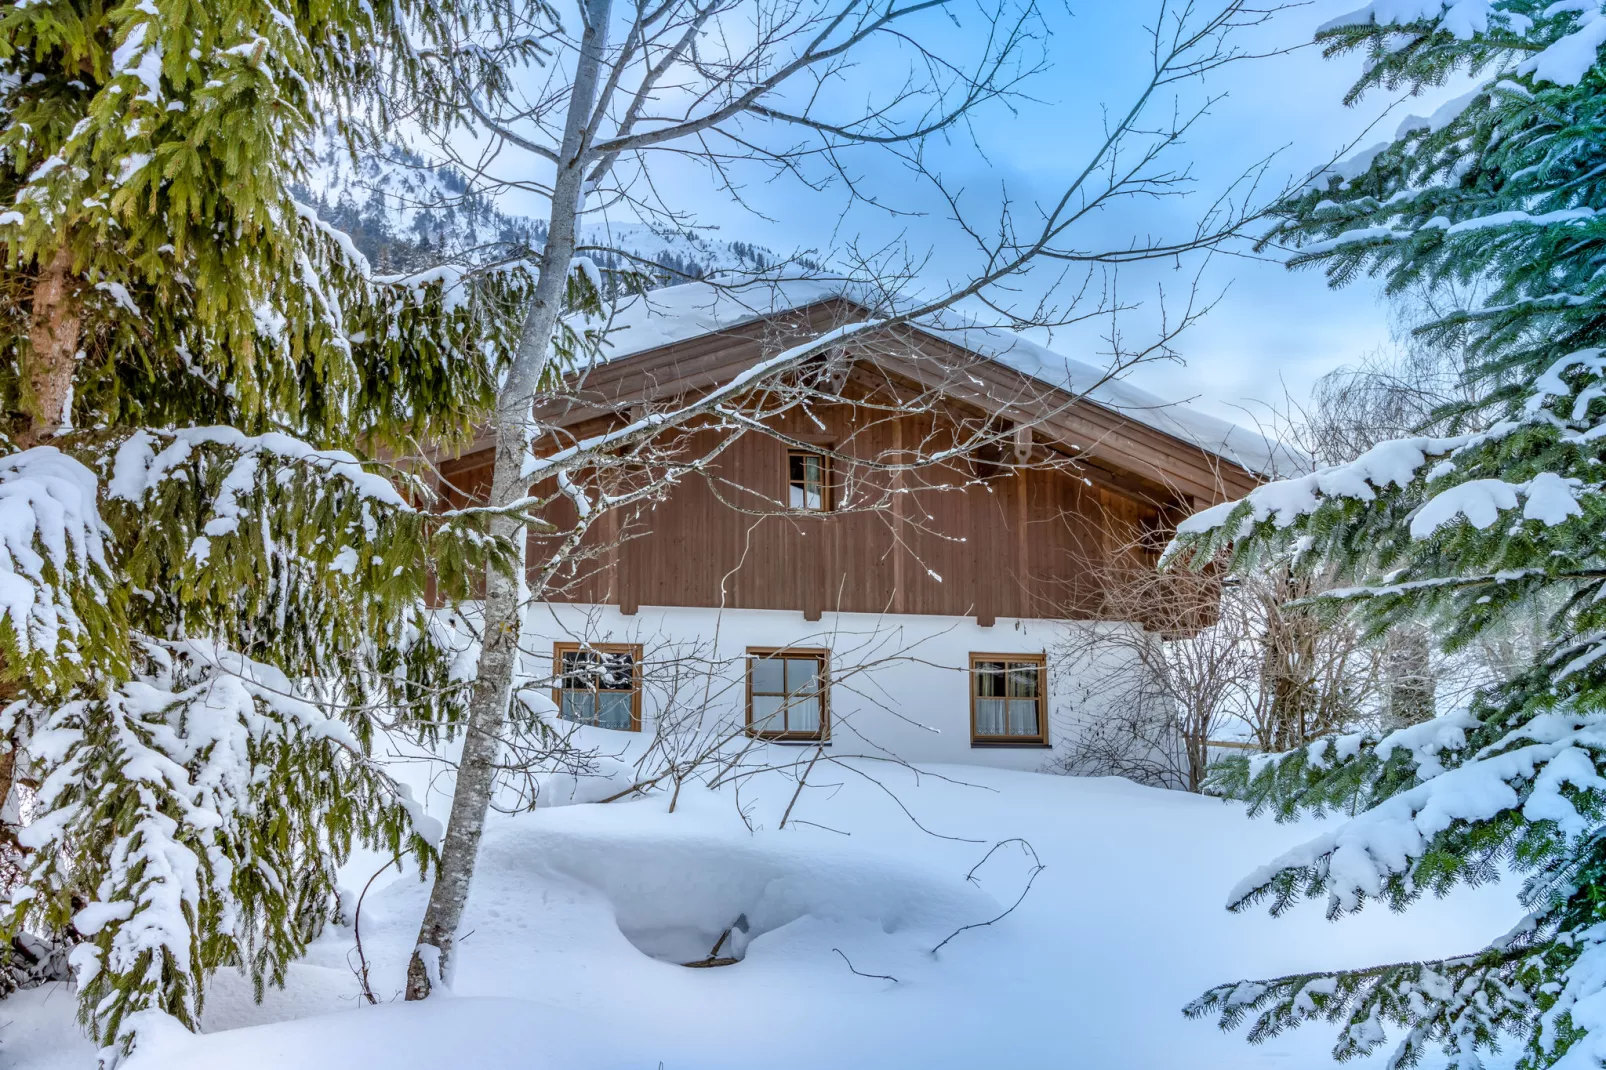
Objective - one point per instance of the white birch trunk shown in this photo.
(488, 704)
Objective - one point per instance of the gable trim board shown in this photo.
(661, 319)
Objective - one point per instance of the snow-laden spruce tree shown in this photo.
(1504, 186)
(206, 595)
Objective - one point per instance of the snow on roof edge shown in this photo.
(690, 310)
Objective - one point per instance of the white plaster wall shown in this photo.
(899, 682)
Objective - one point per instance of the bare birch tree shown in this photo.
(631, 91)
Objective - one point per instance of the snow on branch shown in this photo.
(141, 923)
(1563, 61)
(1464, 18)
(1494, 220)
(342, 241)
(201, 740)
(1425, 746)
(139, 467)
(1461, 1003)
(1544, 771)
(1567, 60)
(1550, 384)
(1348, 773)
(1394, 463)
(51, 536)
(1549, 498)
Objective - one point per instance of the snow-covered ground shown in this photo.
(1121, 928)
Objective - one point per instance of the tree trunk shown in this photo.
(8, 775)
(53, 330)
(1408, 665)
(488, 704)
(1288, 660)
(10, 805)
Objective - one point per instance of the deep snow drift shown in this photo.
(581, 912)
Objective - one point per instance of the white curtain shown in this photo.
(613, 709)
(990, 717)
(1023, 717)
(767, 713)
(803, 715)
(576, 706)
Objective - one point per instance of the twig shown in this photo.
(900, 804)
(971, 876)
(640, 785)
(1037, 867)
(713, 958)
(823, 828)
(800, 782)
(674, 798)
(861, 973)
(356, 932)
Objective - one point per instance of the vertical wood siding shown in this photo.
(961, 541)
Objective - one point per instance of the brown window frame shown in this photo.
(819, 654)
(558, 675)
(1038, 740)
(826, 503)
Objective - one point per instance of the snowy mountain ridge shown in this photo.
(406, 213)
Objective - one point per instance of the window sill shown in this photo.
(790, 741)
(1010, 744)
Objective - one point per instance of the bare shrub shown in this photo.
(1240, 661)
(1315, 672)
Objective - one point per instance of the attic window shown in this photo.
(808, 481)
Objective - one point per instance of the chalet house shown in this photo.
(839, 572)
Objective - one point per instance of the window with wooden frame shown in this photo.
(787, 694)
(1008, 699)
(598, 684)
(808, 481)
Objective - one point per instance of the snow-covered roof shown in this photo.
(678, 313)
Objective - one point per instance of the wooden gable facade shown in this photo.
(973, 537)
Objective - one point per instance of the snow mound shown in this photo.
(1089, 970)
(674, 897)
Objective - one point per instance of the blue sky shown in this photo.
(1274, 331)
